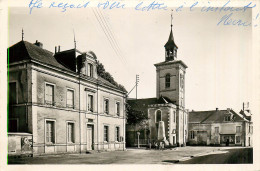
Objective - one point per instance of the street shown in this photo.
(233, 156)
(180, 155)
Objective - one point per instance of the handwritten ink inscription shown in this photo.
(152, 6)
(64, 6)
(226, 19)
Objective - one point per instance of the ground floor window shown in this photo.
(50, 132)
(70, 132)
(105, 133)
(238, 139)
(117, 133)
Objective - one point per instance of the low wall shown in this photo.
(20, 144)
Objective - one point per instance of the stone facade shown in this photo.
(66, 110)
(220, 127)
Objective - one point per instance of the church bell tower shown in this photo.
(170, 74)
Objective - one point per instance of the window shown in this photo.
(167, 80)
(106, 106)
(117, 108)
(182, 81)
(70, 98)
(13, 125)
(90, 70)
(238, 129)
(117, 133)
(90, 103)
(192, 135)
(49, 94)
(70, 132)
(106, 133)
(250, 129)
(12, 93)
(158, 116)
(50, 134)
(237, 139)
(216, 130)
(227, 118)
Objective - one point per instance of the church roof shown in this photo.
(142, 104)
(170, 43)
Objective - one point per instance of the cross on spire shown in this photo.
(22, 34)
(171, 19)
(74, 39)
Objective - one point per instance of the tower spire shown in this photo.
(22, 34)
(170, 47)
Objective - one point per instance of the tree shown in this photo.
(107, 76)
(135, 117)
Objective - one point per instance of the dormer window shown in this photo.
(90, 70)
(228, 118)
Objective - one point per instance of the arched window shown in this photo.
(158, 116)
(90, 70)
(167, 80)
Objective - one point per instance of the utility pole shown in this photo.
(136, 83)
(135, 87)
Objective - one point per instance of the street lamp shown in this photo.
(138, 145)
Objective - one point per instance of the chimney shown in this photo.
(55, 49)
(216, 109)
(228, 109)
(59, 48)
(39, 44)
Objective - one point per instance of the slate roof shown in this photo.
(106, 82)
(170, 43)
(142, 104)
(213, 116)
(24, 50)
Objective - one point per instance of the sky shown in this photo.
(219, 58)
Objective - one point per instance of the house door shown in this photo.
(90, 137)
(202, 137)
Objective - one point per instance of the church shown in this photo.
(167, 116)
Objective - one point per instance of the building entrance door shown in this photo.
(90, 137)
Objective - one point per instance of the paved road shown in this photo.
(232, 156)
(132, 156)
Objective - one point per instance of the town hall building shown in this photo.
(59, 103)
